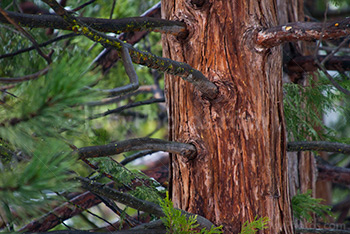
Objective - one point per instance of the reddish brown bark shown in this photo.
(241, 170)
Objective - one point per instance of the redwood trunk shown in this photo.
(241, 168)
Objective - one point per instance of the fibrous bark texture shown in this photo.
(241, 170)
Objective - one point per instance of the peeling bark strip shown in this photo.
(99, 24)
(181, 69)
(241, 169)
(303, 31)
(186, 150)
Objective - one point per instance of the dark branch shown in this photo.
(123, 198)
(307, 63)
(40, 45)
(131, 105)
(65, 211)
(25, 33)
(25, 78)
(186, 150)
(136, 156)
(303, 31)
(183, 70)
(318, 146)
(134, 202)
(99, 24)
(338, 175)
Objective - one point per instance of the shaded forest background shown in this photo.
(72, 104)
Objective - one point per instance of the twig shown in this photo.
(330, 78)
(106, 101)
(24, 78)
(83, 5)
(136, 156)
(131, 105)
(183, 70)
(302, 31)
(318, 146)
(26, 34)
(40, 45)
(183, 149)
(130, 71)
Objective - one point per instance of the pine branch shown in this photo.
(303, 31)
(186, 150)
(183, 70)
(318, 146)
(103, 25)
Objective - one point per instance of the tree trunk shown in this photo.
(241, 168)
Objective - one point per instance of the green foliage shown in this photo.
(29, 184)
(255, 225)
(304, 206)
(178, 223)
(304, 107)
(148, 188)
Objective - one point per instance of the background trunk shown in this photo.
(241, 169)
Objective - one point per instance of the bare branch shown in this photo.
(106, 101)
(100, 24)
(303, 31)
(130, 71)
(330, 78)
(183, 70)
(134, 202)
(25, 78)
(64, 212)
(338, 175)
(40, 45)
(131, 105)
(186, 150)
(136, 156)
(318, 146)
(26, 34)
(307, 63)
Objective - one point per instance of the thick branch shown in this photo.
(183, 70)
(134, 202)
(338, 175)
(303, 31)
(99, 24)
(185, 150)
(318, 146)
(307, 63)
(65, 211)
